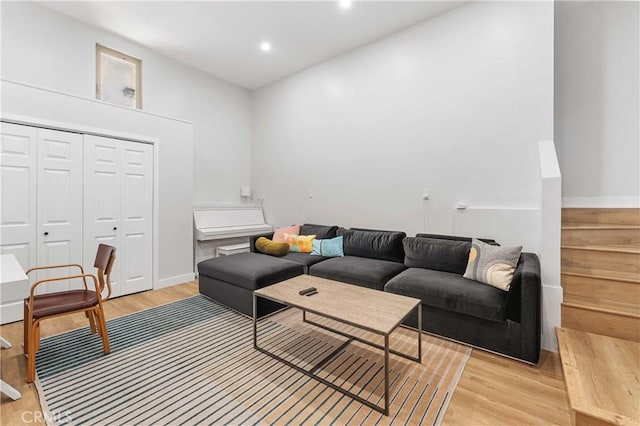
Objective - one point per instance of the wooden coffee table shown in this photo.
(372, 310)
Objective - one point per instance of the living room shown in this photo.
(474, 119)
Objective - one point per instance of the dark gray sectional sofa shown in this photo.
(428, 267)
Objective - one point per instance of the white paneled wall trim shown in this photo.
(74, 127)
(85, 195)
(57, 92)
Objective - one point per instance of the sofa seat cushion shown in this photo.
(449, 291)
(250, 270)
(362, 271)
(305, 259)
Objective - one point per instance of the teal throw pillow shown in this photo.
(328, 248)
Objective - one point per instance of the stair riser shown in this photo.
(605, 290)
(584, 237)
(584, 419)
(574, 260)
(618, 326)
(602, 216)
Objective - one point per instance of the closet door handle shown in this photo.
(115, 228)
(46, 233)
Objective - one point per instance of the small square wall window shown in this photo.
(118, 78)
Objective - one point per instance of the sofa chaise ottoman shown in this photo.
(231, 280)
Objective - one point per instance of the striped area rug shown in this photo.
(192, 362)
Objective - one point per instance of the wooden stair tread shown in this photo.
(602, 375)
(597, 226)
(631, 277)
(607, 306)
(612, 248)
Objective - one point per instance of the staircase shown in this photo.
(600, 334)
(601, 271)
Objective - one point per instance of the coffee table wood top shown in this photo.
(370, 309)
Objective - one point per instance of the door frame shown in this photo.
(87, 130)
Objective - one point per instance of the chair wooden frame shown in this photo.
(95, 313)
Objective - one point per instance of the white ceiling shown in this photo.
(222, 38)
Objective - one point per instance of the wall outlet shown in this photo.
(310, 193)
(426, 193)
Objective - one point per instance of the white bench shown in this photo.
(232, 249)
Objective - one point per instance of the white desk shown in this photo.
(14, 287)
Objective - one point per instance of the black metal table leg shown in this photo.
(255, 321)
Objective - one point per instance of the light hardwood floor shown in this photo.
(493, 390)
(603, 377)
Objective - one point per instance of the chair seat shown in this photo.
(64, 301)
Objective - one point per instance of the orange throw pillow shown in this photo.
(300, 243)
(278, 236)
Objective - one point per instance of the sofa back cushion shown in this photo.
(322, 232)
(456, 238)
(438, 254)
(382, 245)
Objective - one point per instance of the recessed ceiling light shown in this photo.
(265, 46)
(345, 4)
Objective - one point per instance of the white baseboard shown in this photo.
(551, 308)
(171, 281)
(601, 202)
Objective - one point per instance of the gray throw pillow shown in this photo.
(492, 265)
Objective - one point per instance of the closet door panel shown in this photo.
(18, 173)
(102, 179)
(59, 206)
(137, 219)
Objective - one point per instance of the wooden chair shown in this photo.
(43, 306)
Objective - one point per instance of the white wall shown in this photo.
(173, 217)
(43, 48)
(456, 104)
(597, 48)
(550, 219)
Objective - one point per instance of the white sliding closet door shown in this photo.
(102, 180)
(137, 217)
(118, 209)
(59, 205)
(18, 173)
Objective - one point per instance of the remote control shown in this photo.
(312, 293)
(306, 291)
